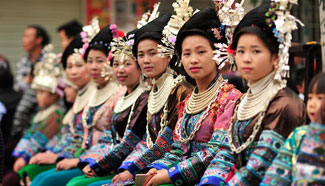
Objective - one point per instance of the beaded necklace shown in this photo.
(82, 98)
(45, 113)
(128, 100)
(216, 87)
(155, 99)
(269, 91)
(94, 101)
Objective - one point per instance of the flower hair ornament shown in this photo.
(285, 23)
(229, 13)
(88, 33)
(183, 13)
(118, 35)
(48, 73)
(119, 44)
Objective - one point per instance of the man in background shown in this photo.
(67, 32)
(34, 39)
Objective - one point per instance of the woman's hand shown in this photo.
(152, 171)
(19, 164)
(123, 176)
(67, 164)
(88, 172)
(161, 177)
(43, 158)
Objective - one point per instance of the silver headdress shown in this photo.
(88, 33)
(285, 23)
(183, 13)
(47, 72)
(229, 13)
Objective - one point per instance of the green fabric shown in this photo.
(173, 185)
(55, 178)
(33, 170)
(78, 152)
(84, 181)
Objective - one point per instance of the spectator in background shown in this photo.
(67, 32)
(9, 100)
(300, 82)
(34, 40)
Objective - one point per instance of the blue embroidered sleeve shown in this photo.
(137, 152)
(29, 145)
(174, 156)
(280, 172)
(71, 146)
(117, 154)
(191, 169)
(72, 149)
(157, 151)
(267, 148)
(222, 163)
(97, 151)
(59, 141)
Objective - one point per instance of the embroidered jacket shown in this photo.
(285, 112)
(129, 137)
(300, 160)
(69, 145)
(43, 129)
(100, 138)
(186, 162)
(142, 155)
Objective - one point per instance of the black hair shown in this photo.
(202, 23)
(6, 76)
(100, 42)
(41, 32)
(76, 43)
(270, 42)
(255, 22)
(71, 28)
(300, 76)
(317, 84)
(153, 31)
(98, 47)
(194, 32)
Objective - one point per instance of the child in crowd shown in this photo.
(301, 158)
(47, 122)
(43, 160)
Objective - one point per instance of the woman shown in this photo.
(209, 107)
(167, 91)
(265, 115)
(129, 116)
(72, 132)
(95, 114)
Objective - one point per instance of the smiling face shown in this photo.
(77, 71)
(95, 63)
(151, 64)
(197, 57)
(127, 73)
(254, 60)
